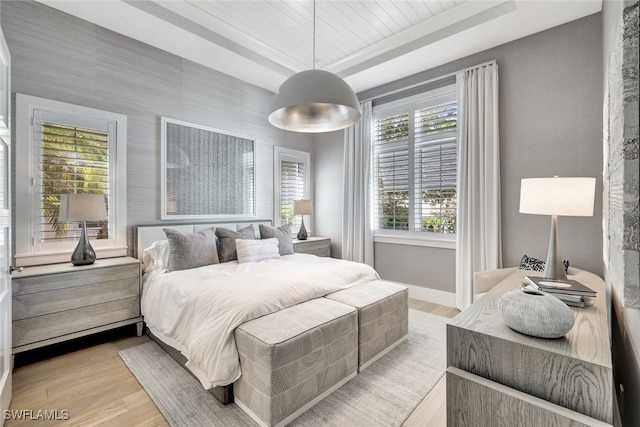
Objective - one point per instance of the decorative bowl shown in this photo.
(535, 313)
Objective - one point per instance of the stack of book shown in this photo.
(571, 292)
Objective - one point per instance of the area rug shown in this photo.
(384, 394)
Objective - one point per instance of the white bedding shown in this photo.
(197, 310)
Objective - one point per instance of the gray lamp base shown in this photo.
(554, 268)
(302, 234)
(84, 253)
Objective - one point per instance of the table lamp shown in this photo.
(82, 208)
(557, 197)
(302, 207)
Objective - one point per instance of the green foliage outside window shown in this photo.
(394, 207)
(393, 129)
(444, 202)
(286, 214)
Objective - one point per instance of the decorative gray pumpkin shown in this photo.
(535, 313)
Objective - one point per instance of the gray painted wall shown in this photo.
(430, 267)
(57, 56)
(550, 124)
(327, 158)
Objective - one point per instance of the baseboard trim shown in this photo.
(432, 295)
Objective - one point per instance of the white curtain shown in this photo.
(357, 236)
(478, 241)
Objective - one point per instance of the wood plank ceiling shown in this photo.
(367, 42)
(286, 27)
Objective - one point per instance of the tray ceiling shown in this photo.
(366, 42)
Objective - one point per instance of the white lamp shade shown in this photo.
(302, 207)
(82, 207)
(557, 196)
(314, 101)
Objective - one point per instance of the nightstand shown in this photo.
(320, 246)
(58, 302)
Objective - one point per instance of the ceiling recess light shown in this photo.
(314, 101)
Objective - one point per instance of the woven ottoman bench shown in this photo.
(292, 359)
(383, 317)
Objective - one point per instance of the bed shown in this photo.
(193, 313)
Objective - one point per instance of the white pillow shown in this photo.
(156, 256)
(257, 250)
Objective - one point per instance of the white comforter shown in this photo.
(197, 310)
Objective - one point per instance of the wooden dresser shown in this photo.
(57, 302)
(497, 376)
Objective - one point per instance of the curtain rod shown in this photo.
(435, 79)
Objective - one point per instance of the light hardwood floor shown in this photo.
(91, 382)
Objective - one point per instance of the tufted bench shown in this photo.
(293, 358)
(383, 317)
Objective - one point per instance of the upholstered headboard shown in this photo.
(147, 234)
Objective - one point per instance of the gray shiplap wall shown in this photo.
(550, 124)
(60, 57)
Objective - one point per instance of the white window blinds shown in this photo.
(292, 187)
(71, 160)
(391, 172)
(436, 168)
(415, 164)
(291, 181)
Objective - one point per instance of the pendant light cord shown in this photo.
(314, 35)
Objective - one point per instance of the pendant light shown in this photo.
(314, 101)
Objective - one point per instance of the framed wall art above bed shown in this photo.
(206, 173)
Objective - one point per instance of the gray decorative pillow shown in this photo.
(191, 250)
(227, 241)
(283, 234)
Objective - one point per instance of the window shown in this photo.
(65, 149)
(73, 160)
(415, 165)
(291, 179)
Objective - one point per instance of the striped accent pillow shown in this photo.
(257, 250)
